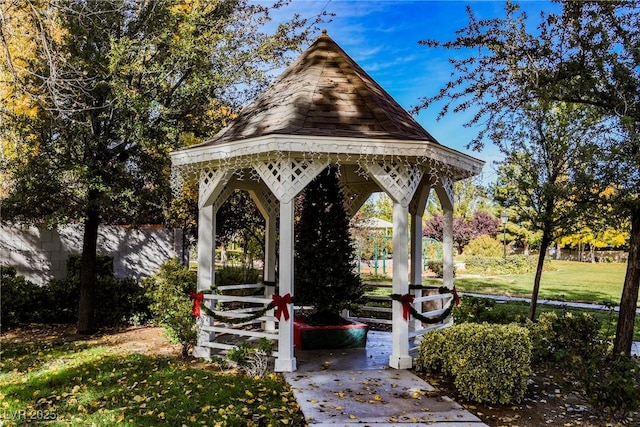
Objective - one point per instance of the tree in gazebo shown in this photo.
(324, 256)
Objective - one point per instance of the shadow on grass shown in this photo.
(507, 287)
(85, 386)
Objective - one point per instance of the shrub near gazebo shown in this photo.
(324, 262)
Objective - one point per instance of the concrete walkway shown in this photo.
(355, 387)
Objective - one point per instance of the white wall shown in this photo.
(40, 254)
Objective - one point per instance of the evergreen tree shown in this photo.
(324, 261)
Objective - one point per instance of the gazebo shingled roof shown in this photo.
(323, 110)
(324, 92)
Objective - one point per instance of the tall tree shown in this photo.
(544, 170)
(588, 54)
(116, 85)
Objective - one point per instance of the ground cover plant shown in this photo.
(64, 380)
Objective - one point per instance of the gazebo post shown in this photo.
(269, 261)
(399, 358)
(444, 189)
(269, 210)
(286, 362)
(416, 209)
(206, 274)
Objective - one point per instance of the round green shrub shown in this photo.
(611, 383)
(484, 246)
(488, 363)
(171, 304)
(565, 339)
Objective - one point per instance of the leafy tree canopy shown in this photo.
(95, 94)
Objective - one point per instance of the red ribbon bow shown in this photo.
(280, 304)
(456, 297)
(406, 301)
(197, 299)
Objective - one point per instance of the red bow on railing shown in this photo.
(406, 301)
(280, 304)
(197, 299)
(456, 297)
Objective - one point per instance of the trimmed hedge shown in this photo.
(438, 269)
(118, 301)
(488, 363)
(513, 264)
(480, 310)
(20, 301)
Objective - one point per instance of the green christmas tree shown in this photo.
(325, 256)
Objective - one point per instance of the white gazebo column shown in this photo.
(399, 358)
(444, 189)
(206, 275)
(416, 209)
(268, 206)
(286, 177)
(270, 262)
(400, 180)
(286, 362)
(416, 249)
(415, 271)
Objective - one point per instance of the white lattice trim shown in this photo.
(355, 195)
(419, 201)
(444, 189)
(265, 200)
(398, 179)
(223, 196)
(430, 158)
(286, 177)
(212, 182)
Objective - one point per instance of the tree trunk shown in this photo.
(544, 245)
(87, 303)
(629, 299)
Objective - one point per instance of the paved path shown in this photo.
(355, 387)
(550, 302)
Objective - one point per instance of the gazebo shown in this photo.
(323, 110)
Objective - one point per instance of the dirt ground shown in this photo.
(548, 402)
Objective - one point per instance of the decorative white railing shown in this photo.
(377, 310)
(228, 328)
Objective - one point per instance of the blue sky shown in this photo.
(382, 36)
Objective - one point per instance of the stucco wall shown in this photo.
(40, 254)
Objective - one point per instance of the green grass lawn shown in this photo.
(75, 384)
(570, 281)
